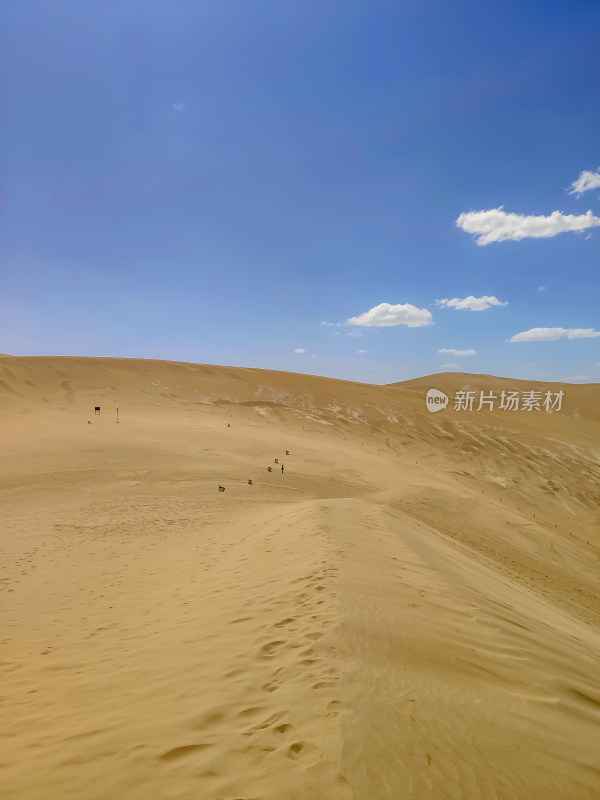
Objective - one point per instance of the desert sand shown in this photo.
(410, 611)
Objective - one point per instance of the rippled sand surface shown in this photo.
(410, 610)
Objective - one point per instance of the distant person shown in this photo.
(282, 469)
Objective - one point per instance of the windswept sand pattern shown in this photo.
(250, 693)
(411, 610)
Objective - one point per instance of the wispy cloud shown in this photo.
(585, 182)
(471, 303)
(451, 351)
(360, 352)
(449, 366)
(299, 350)
(551, 334)
(385, 315)
(497, 225)
(178, 106)
(541, 288)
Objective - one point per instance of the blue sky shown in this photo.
(213, 181)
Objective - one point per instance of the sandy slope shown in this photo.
(412, 610)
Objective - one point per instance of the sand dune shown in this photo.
(411, 610)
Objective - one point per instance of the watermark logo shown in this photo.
(436, 400)
(468, 400)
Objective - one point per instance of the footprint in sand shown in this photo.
(283, 728)
(304, 752)
(333, 708)
(284, 622)
(267, 723)
(294, 750)
(313, 636)
(250, 712)
(323, 685)
(271, 648)
(182, 751)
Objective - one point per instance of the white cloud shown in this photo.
(386, 315)
(551, 334)
(472, 303)
(496, 225)
(585, 182)
(541, 288)
(299, 350)
(178, 106)
(360, 352)
(449, 366)
(454, 352)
